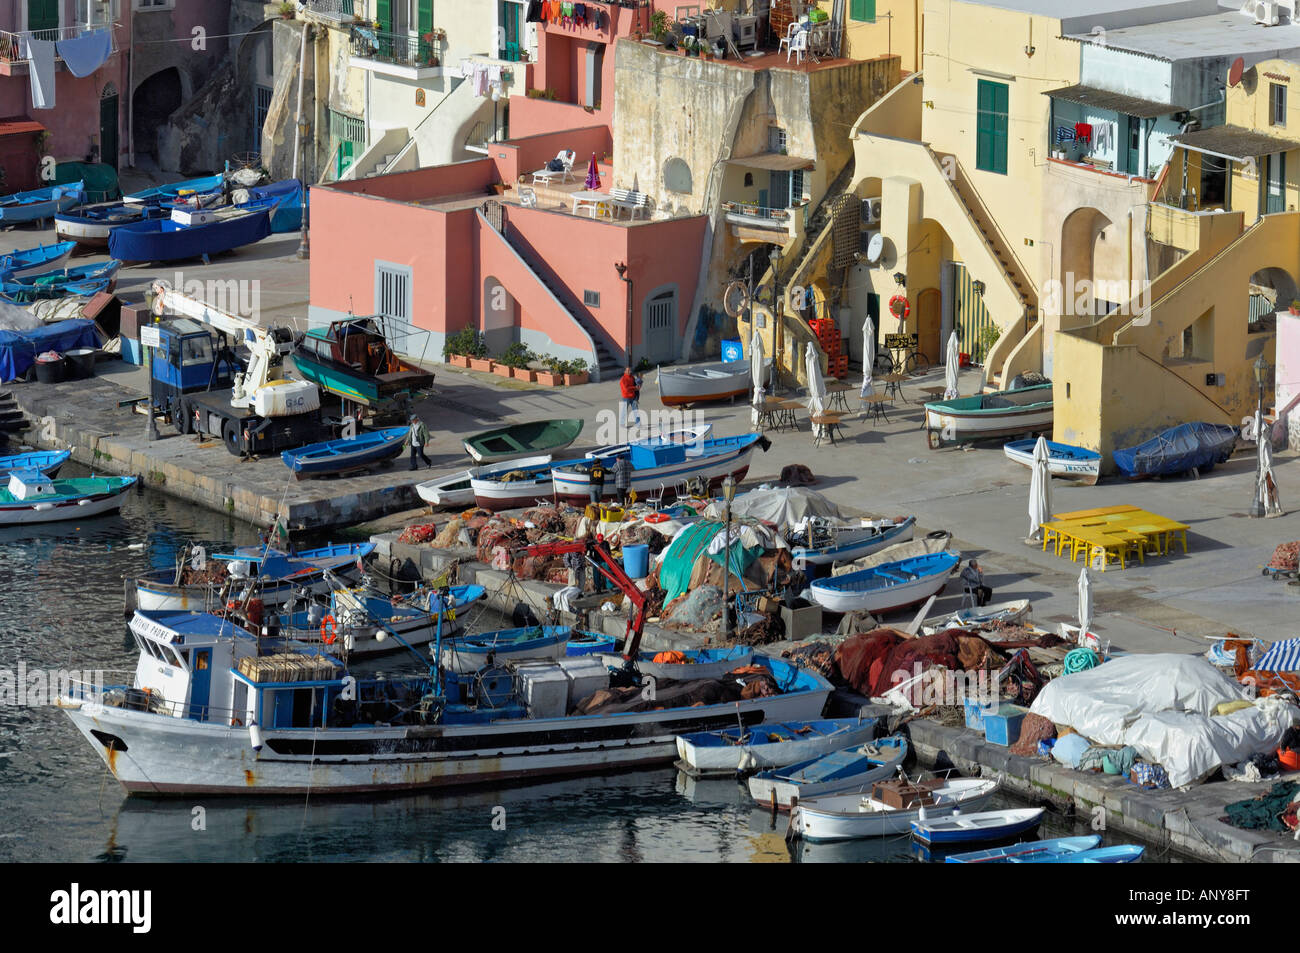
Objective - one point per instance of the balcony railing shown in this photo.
(398, 48)
(13, 46)
(484, 133)
(777, 217)
(338, 9)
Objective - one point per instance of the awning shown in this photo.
(773, 161)
(1234, 142)
(16, 125)
(1115, 102)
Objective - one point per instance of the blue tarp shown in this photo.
(18, 349)
(1177, 450)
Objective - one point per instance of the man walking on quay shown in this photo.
(622, 477)
(419, 436)
(629, 389)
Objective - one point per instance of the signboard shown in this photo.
(150, 337)
(892, 341)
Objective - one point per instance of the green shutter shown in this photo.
(42, 14)
(864, 11)
(991, 127)
(384, 14)
(424, 16)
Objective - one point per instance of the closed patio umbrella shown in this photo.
(1268, 486)
(816, 383)
(1040, 491)
(868, 354)
(593, 175)
(1085, 602)
(756, 377)
(950, 370)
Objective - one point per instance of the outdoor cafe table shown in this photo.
(1113, 528)
(837, 390)
(590, 202)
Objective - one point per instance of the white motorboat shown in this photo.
(849, 816)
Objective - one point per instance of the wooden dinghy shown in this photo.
(849, 769)
(1023, 410)
(732, 750)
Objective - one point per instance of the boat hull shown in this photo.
(501, 445)
(1027, 410)
(830, 819)
(835, 594)
(658, 482)
(723, 380)
(162, 240)
(974, 828)
(856, 544)
(1086, 471)
(335, 456)
(450, 491)
(702, 760)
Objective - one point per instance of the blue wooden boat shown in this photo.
(823, 545)
(46, 462)
(32, 497)
(972, 828)
(729, 750)
(1119, 854)
(1063, 459)
(849, 769)
(40, 203)
(888, 586)
(1019, 853)
(339, 456)
(91, 225)
(168, 240)
(471, 653)
(287, 216)
(1198, 446)
(589, 643)
(697, 663)
(81, 280)
(33, 261)
(161, 193)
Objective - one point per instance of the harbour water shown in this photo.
(62, 610)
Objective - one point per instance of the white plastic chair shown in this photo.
(790, 31)
(567, 158)
(528, 197)
(798, 44)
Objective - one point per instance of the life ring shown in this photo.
(329, 630)
(899, 306)
(657, 518)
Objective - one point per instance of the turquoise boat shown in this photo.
(353, 359)
(32, 497)
(81, 280)
(1023, 410)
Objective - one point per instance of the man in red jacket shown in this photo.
(629, 388)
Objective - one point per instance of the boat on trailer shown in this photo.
(888, 586)
(1022, 410)
(1063, 460)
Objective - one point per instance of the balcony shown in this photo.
(344, 11)
(396, 54)
(13, 46)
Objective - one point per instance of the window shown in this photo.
(591, 299)
(776, 139)
(96, 13)
(154, 4)
(864, 11)
(991, 127)
(1276, 104)
(393, 291)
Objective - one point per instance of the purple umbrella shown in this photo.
(593, 175)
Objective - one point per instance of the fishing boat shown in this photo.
(353, 359)
(32, 497)
(287, 216)
(850, 816)
(888, 586)
(451, 491)
(1001, 613)
(340, 456)
(1119, 854)
(515, 483)
(273, 576)
(1022, 410)
(214, 709)
(211, 232)
(850, 769)
(662, 468)
(82, 280)
(522, 440)
(91, 225)
(174, 190)
(694, 663)
(589, 643)
(1194, 446)
(361, 621)
(823, 542)
(40, 203)
(1063, 460)
(505, 646)
(1019, 853)
(45, 462)
(961, 828)
(769, 745)
(20, 263)
(720, 380)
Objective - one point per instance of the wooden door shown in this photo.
(929, 325)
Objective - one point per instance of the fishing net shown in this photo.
(1286, 557)
(418, 534)
(697, 609)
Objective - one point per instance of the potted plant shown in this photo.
(1295, 306)
(575, 372)
(516, 359)
(658, 25)
(461, 346)
(553, 376)
(287, 10)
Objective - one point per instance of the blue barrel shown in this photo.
(636, 560)
(732, 351)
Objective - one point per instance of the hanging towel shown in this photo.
(480, 80)
(40, 57)
(86, 53)
(534, 14)
(494, 76)
(580, 13)
(1083, 130)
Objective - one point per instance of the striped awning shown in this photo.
(1282, 656)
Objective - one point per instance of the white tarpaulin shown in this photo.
(1162, 705)
(783, 506)
(15, 318)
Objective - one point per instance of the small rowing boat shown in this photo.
(1024, 851)
(1063, 459)
(823, 541)
(455, 489)
(1119, 854)
(20, 263)
(32, 497)
(47, 462)
(732, 750)
(1195, 446)
(1022, 410)
(192, 234)
(850, 769)
(888, 586)
(175, 190)
(522, 440)
(40, 203)
(1002, 613)
(515, 483)
(890, 809)
(82, 280)
(959, 828)
(340, 456)
(720, 380)
(471, 653)
(91, 225)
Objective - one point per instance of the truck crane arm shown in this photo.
(602, 560)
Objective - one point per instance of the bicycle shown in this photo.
(902, 360)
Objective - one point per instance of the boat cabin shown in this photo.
(30, 485)
(361, 346)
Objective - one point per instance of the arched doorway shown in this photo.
(108, 125)
(154, 101)
(1093, 267)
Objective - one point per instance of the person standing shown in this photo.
(596, 488)
(972, 578)
(622, 477)
(629, 388)
(418, 437)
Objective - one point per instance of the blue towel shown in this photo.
(86, 53)
(40, 58)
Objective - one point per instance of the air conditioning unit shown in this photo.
(871, 211)
(1266, 13)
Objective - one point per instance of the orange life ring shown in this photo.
(899, 306)
(329, 630)
(657, 518)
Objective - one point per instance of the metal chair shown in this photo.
(968, 597)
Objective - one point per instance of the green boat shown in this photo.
(522, 440)
(353, 359)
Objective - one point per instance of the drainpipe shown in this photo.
(302, 69)
(130, 96)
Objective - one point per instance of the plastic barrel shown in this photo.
(636, 560)
(50, 372)
(80, 363)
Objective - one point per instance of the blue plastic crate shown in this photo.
(131, 351)
(974, 713)
(1003, 727)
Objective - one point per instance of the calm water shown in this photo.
(62, 609)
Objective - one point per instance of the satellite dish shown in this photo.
(875, 247)
(1235, 70)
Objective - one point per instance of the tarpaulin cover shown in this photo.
(1177, 450)
(783, 506)
(678, 561)
(18, 349)
(1162, 705)
(99, 180)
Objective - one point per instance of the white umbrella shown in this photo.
(756, 375)
(950, 371)
(868, 354)
(1268, 486)
(1040, 491)
(1085, 602)
(816, 383)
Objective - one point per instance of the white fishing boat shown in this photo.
(1063, 460)
(850, 816)
(697, 383)
(1006, 613)
(1023, 410)
(457, 489)
(964, 828)
(824, 541)
(514, 484)
(851, 769)
(888, 586)
(769, 745)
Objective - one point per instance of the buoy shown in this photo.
(255, 736)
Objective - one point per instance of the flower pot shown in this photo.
(481, 364)
(1294, 310)
(571, 379)
(549, 379)
(458, 360)
(523, 374)
(501, 370)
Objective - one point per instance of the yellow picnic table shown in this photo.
(1114, 532)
